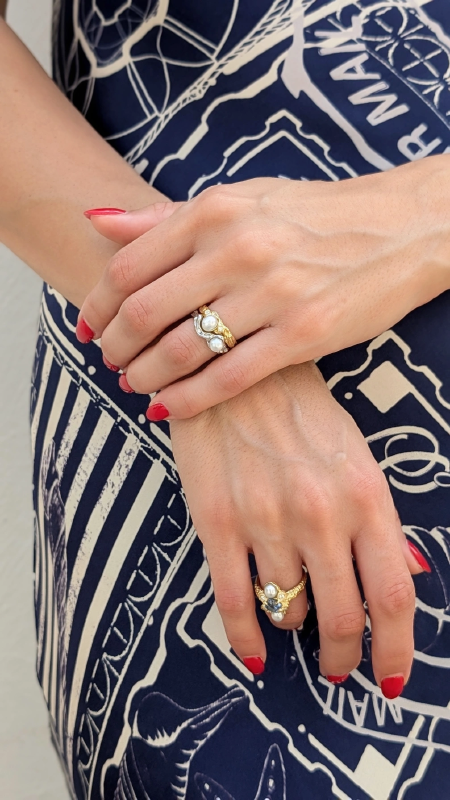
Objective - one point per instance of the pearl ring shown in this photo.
(275, 601)
(209, 326)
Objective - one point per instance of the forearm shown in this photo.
(53, 165)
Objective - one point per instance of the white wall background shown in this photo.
(29, 769)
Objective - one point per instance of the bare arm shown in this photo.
(53, 165)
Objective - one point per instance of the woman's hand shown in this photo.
(296, 269)
(282, 471)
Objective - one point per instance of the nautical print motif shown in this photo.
(146, 698)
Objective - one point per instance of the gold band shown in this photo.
(205, 327)
(275, 601)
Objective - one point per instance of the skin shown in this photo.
(302, 269)
(277, 487)
(277, 428)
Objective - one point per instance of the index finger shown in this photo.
(156, 252)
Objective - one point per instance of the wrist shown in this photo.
(430, 195)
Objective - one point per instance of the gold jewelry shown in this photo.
(209, 326)
(275, 601)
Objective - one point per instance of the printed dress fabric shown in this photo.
(146, 699)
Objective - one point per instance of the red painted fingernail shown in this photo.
(110, 366)
(392, 686)
(421, 560)
(255, 664)
(83, 332)
(337, 678)
(103, 212)
(157, 412)
(124, 385)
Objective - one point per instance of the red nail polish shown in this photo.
(392, 687)
(421, 560)
(255, 664)
(110, 366)
(124, 385)
(83, 332)
(157, 412)
(336, 679)
(103, 212)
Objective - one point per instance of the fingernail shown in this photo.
(255, 664)
(157, 412)
(421, 560)
(392, 686)
(110, 366)
(83, 332)
(124, 385)
(337, 678)
(103, 212)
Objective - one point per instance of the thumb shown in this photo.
(124, 227)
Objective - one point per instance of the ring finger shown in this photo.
(181, 351)
(284, 569)
(147, 313)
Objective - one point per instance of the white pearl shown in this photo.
(216, 344)
(277, 616)
(209, 323)
(270, 590)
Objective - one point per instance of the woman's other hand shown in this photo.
(283, 472)
(296, 269)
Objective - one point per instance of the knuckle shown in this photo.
(135, 314)
(232, 602)
(313, 325)
(261, 506)
(345, 625)
(317, 504)
(369, 487)
(215, 205)
(187, 402)
(230, 377)
(219, 515)
(121, 271)
(397, 597)
(249, 244)
(179, 349)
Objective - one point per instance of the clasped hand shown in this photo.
(296, 270)
(286, 473)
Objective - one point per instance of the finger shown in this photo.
(389, 591)
(127, 226)
(156, 252)
(233, 590)
(283, 567)
(149, 312)
(178, 353)
(225, 377)
(340, 611)
(415, 559)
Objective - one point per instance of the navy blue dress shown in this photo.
(146, 698)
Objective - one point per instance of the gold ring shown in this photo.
(209, 326)
(275, 601)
